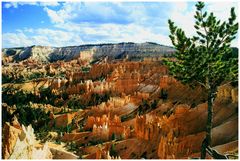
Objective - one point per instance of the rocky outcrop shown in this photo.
(112, 103)
(105, 127)
(183, 131)
(101, 153)
(62, 120)
(172, 147)
(227, 92)
(21, 144)
(45, 53)
(100, 121)
(177, 92)
(147, 127)
(10, 136)
(62, 154)
(33, 52)
(74, 136)
(166, 81)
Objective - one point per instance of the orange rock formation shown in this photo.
(104, 127)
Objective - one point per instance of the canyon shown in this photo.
(108, 101)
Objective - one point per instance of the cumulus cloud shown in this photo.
(90, 12)
(83, 34)
(50, 3)
(105, 12)
(11, 4)
(75, 23)
(16, 4)
(183, 16)
(41, 36)
(55, 17)
(123, 33)
(15, 40)
(222, 9)
(112, 22)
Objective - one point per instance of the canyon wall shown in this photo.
(45, 53)
(147, 127)
(183, 131)
(227, 92)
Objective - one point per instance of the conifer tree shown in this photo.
(205, 59)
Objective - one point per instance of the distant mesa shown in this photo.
(136, 51)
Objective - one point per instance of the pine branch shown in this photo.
(202, 84)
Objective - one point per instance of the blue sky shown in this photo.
(76, 23)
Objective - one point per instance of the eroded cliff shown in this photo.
(121, 50)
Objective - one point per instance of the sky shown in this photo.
(76, 23)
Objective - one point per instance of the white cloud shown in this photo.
(55, 18)
(183, 17)
(135, 33)
(42, 36)
(115, 33)
(104, 22)
(222, 9)
(235, 43)
(50, 3)
(88, 12)
(29, 30)
(40, 40)
(15, 40)
(83, 34)
(82, 23)
(180, 6)
(7, 5)
(16, 4)
(11, 4)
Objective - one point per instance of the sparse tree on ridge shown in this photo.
(204, 59)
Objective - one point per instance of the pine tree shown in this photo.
(113, 136)
(205, 59)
